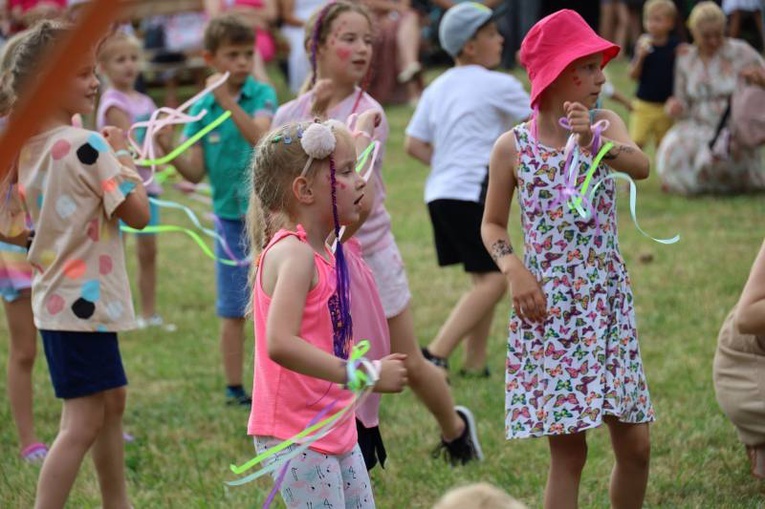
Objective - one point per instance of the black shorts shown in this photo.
(83, 363)
(457, 233)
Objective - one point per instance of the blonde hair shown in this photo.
(318, 28)
(6, 61)
(478, 496)
(277, 161)
(112, 41)
(667, 7)
(23, 60)
(705, 12)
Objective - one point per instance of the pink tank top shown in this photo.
(283, 401)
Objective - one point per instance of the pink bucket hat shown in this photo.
(554, 42)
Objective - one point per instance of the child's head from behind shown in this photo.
(6, 62)
(558, 54)
(477, 496)
(229, 46)
(469, 35)
(119, 56)
(659, 17)
(338, 39)
(28, 59)
(288, 182)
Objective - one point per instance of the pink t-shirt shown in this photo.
(283, 401)
(29, 4)
(139, 108)
(369, 321)
(375, 234)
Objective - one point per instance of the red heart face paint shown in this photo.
(575, 78)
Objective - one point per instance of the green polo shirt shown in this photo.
(226, 152)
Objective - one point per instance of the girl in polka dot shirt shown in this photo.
(76, 185)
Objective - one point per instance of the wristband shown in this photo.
(123, 152)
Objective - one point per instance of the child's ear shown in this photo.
(208, 57)
(302, 190)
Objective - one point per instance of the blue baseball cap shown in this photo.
(460, 23)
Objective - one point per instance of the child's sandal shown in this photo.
(34, 453)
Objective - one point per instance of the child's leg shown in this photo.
(467, 316)
(232, 349)
(476, 344)
(632, 448)
(357, 487)
(568, 454)
(734, 26)
(109, 452)
(426, 380)
(21, 360)
(81, 422)
(146, 249)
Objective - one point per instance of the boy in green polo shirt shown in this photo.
(223, 155)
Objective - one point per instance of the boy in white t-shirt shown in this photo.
(453, 129)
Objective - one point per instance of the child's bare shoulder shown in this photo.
(290, 252)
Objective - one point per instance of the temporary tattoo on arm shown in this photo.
(617, 150)
(499, 249)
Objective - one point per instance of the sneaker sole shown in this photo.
(470, 421)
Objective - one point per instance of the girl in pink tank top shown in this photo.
(304, 188)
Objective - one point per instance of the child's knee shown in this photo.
(638, 453)
(23, 356)
(570, 454)
(115, 402)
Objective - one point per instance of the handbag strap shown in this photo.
(721, 124)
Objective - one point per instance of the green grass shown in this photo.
(186, 438)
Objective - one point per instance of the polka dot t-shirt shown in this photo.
(71, 182)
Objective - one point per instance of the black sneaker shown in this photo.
(238, 398)
(482, 373)
(466, 447)
(441, 362)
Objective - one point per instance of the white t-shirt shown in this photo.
(462, 113)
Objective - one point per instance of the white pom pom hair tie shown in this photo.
(318, 141)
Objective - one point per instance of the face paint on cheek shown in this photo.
(343, 53)
(575, 78)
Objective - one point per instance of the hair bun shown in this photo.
(318, 141)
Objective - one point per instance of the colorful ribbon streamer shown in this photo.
(580, 199)
(232, 260)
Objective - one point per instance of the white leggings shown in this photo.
(320, 481)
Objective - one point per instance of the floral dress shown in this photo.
(684, 161)
(583, 363)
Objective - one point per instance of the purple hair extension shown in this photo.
(343, 332)
(315, 39)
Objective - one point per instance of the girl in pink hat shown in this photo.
(573, 359)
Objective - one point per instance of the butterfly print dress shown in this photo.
(583, 362)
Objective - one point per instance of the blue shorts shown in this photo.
(83, 363)
(233, 294)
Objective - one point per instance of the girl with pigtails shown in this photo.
(305, 187)
(339, 40)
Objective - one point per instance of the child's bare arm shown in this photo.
(420, 150)
(251, 128)
(17, 240)
(750, 313)
(625, 155)
(118, 118)
(134, 210)
(190, 164)
(293, 264)
(528, 299)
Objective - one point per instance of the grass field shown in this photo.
(186, 437)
